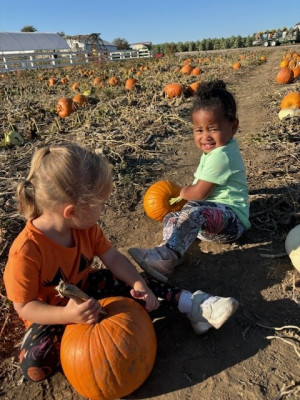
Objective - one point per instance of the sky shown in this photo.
(156, 21)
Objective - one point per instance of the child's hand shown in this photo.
(84, 313)
(149, 298)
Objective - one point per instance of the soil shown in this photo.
(255, 355)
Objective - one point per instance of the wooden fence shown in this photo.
(52, 59)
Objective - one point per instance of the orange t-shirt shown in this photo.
(36, 263)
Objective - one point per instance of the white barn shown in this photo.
(27, 42)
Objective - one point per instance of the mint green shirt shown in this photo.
(224, 166)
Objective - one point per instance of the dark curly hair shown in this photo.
(212, 95)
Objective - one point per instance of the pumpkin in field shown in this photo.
(65, 107)
(80, 99)
(196, 71)
(130, 83)
(292, 246)
(291, 100)
(237, 65)
(285, 76)
(75, 87)
(157, 200)
(296, 71)
(110, 359)
(173, 90)
(113, 81)
(193, 87)
(52, 82)
(186, 69)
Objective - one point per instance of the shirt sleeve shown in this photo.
(21, 275)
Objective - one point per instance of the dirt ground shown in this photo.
(255, 355)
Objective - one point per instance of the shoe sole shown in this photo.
(151, 271)
(231, 310)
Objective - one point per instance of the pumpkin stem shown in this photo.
(174, 200)
(73, 292)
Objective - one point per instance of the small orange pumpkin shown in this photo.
(98, 81)
(64, 80)
(75, 86)
(196, 71)
(291, 100)
(285, 76)
(113, 81)
(156, 200)
(193, 87)
(65, 107)
(80, 99)
(186, 69)
(130, 83)
(237, 65)
(296, 71)
(110, 359)
(173, 90)
(52, 82)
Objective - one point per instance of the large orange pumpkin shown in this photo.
(285, 76)
(65, 107)
(157, 197)
(110, 359)
(291, 100)
(173, 90)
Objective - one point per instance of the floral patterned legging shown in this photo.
(40, 349)
(205, 220)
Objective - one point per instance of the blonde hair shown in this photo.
(61, 174)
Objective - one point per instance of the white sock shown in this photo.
(185, 302)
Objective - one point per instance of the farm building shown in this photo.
(141, 46)
(89, 43)
(28, 42)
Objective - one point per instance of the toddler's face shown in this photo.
(212, 129)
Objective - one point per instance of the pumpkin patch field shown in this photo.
(137, 114)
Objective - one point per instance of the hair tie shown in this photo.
(27, 184)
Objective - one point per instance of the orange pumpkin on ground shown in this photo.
(75, 86)
(130, 83)
(110, 359)
(285, 76)
(80, 100)
(196, 71)
(291, 100)
(156, 200)
(113, 81)
(52, 82)
(296, 71)
(173, 90)
(65, 107)
(236, 65)
(186, 69)
(193, 87)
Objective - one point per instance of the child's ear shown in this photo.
(69, 211)
(235, 126)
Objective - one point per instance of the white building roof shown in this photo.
(24, 41)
